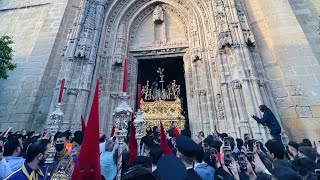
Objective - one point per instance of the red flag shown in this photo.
(83, 124)
(163, 141)
(112, 130)
(133, 145)
(88, 163)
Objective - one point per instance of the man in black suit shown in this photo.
(186, 151)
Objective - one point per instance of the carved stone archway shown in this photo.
(225, 81)
(189, 20)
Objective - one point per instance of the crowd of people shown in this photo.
(164, 156)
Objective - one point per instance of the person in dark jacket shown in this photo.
(270, 121)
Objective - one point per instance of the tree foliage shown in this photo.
(6, 56)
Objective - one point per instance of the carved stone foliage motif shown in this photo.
(236, 85)
(73, 91)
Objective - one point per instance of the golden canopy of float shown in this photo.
(162, 104)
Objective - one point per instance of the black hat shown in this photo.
(169, 167)
(139, 172)
(309, 152)
(293, 144)
(186, 146)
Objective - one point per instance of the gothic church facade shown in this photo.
(237, 54)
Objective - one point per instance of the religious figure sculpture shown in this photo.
(154, 88)
(158, 15)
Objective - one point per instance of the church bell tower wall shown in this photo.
(291, 61)
(39, 29)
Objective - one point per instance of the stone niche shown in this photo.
(160, 28)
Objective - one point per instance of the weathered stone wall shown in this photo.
(290, 64)
(38, 30)
(307, 13)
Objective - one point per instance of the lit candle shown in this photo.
(125, 75)
(61, 91)
(139, 96)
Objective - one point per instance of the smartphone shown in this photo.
(250, 158)
(1, 149)
(258, 145)
(226, 142)
(317, 171)
(227, 155)
(242, 162)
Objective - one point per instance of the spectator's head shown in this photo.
(285, 173)
(149, 131)
(37, 153)
(103, 138)
(12, 147)
(201, 135)
(56, 136)
(303, 165)
(263, 108)
(222, 136)
(78, 137)
(61, 142)
(307, 152)
(143, 161)
(109, 145)
(155, 154)
(293, 148)
(24, 132)
(155, 128)
(216, 145)
(30, 134)
(186, 149)
(170, 133)
(275, 149)
(306, 142)
(199, 155)
(147, 142)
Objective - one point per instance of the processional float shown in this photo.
(162, 104)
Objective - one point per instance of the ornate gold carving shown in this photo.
(169, 112)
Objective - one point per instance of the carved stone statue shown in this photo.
(154, 88)
(158, 15)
